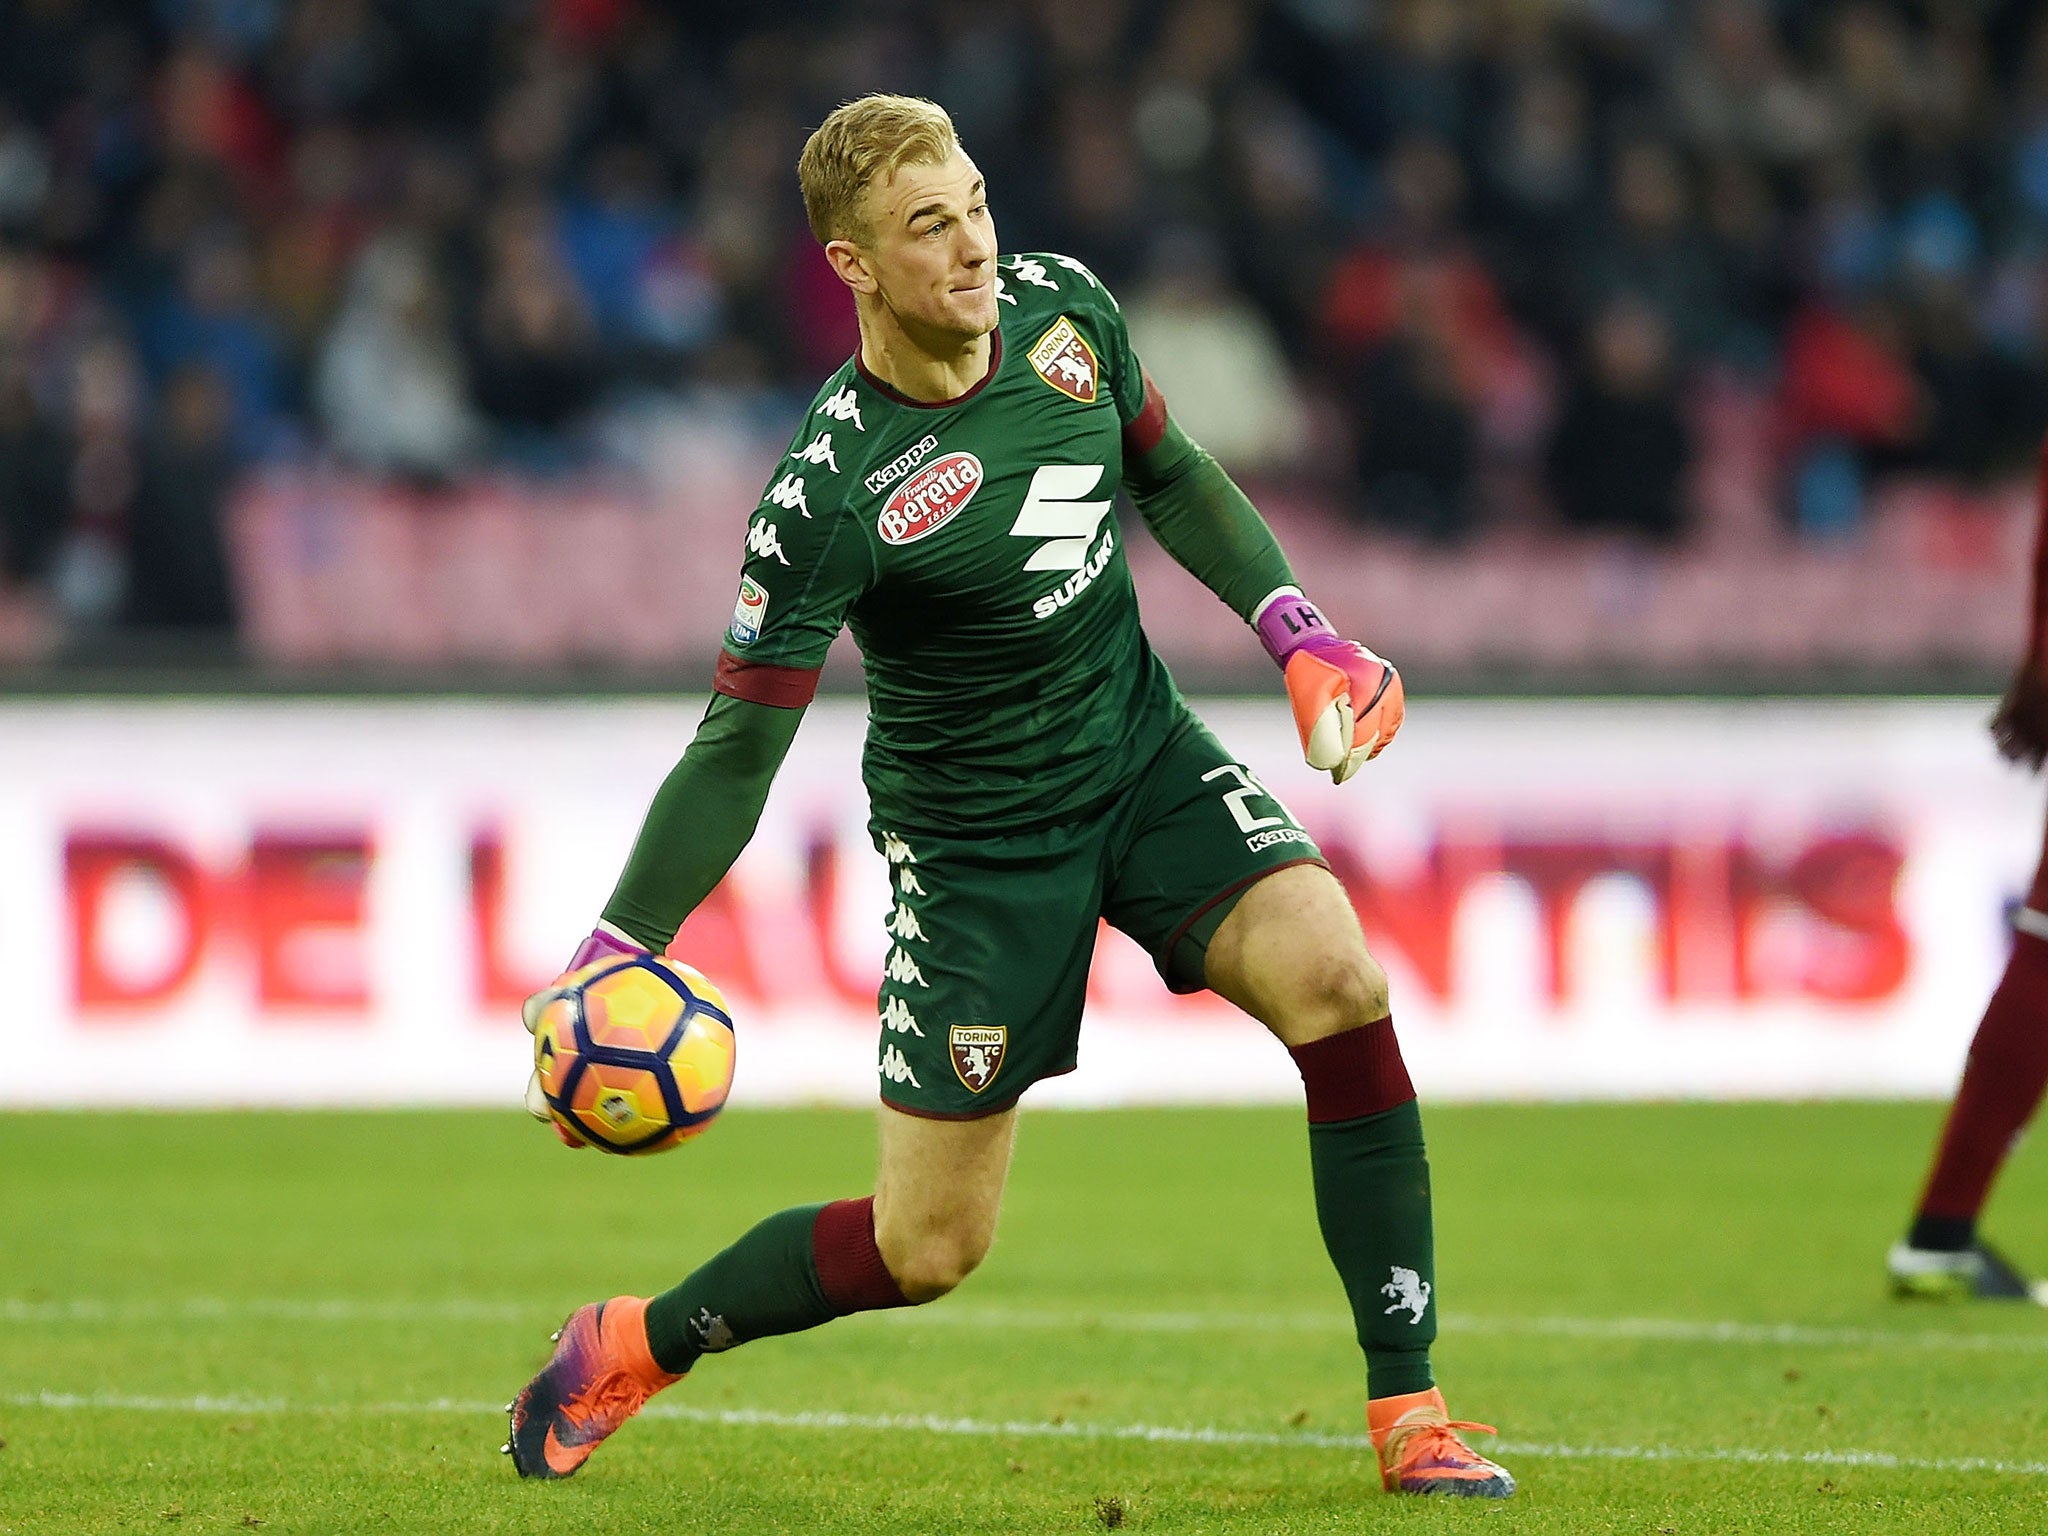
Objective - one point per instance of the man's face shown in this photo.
(932, 247)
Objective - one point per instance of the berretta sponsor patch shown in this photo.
(930, 499)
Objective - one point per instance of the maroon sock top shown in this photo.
(850, 1268)
(1357, 1073)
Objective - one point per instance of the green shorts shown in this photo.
(991, 937)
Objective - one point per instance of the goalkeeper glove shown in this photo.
(603, 944)
(1347, 702)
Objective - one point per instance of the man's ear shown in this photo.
(851, 265)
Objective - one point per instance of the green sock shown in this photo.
(764, 1284)
(1372, 1202)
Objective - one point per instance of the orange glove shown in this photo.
(1348, 702)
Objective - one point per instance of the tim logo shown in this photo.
(1064, 360)
(977, 1053)
(930, 499)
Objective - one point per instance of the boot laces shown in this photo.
(607, 1402)
(1439, 1441)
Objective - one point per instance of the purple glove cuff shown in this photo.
(602, 946)
(1287, 622)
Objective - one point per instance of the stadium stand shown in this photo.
(1595, 338)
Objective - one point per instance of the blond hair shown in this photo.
(863, 142)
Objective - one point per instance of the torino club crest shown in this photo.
(1064, 360)
(977, 1053)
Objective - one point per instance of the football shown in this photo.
(635, 1054)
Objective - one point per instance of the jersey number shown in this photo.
(1054, 510)
(1235, 798)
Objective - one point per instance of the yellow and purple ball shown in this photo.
(635, 1054)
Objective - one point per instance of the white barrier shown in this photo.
(341, 902)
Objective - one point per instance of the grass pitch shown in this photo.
(305, 1323)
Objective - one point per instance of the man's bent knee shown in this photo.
(930, 1265)
(1336, 993)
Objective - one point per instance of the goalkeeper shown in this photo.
(1031, 770)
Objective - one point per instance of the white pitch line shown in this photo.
(1039, 1429)
(1652, 1329)
(1656, 1329)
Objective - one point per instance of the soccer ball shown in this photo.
(634, 1054)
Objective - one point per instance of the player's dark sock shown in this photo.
(1372, 1198)
(2002, 1086)
(797, 1269)
(1942, 1234)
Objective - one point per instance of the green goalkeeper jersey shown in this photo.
(970, 546)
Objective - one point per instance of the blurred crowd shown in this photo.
(1451, 262)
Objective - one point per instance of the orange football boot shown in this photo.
(1420, 1452)
(600, 1375)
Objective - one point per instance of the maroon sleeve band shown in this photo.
(760, 683)
(1357, 1073)
(849, 1261)
(1144, 431)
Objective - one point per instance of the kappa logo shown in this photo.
(906, 882)
(763, 540)
(896, 1067)
(748, 612)
(1030, 270)
(1064, 360)
(789, 492)
(930, 499)
(904, 922)
(818, 452)
(901, 465)
(977, 1051)
(1259, 841)
(895, 850)
(843, 406)
(896, 1015)
(1077, 269)
(901, 968)
(1410, 1292)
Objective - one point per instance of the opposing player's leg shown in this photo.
(1291, 955)
(2004, 1080)
(938, 1188)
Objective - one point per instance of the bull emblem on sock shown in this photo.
(1410, 1293)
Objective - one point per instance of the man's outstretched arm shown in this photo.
(1204, 521)
(1348, 702)
(702, 816)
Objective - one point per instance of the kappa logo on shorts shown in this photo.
(1064, 360)
(977, 1051)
